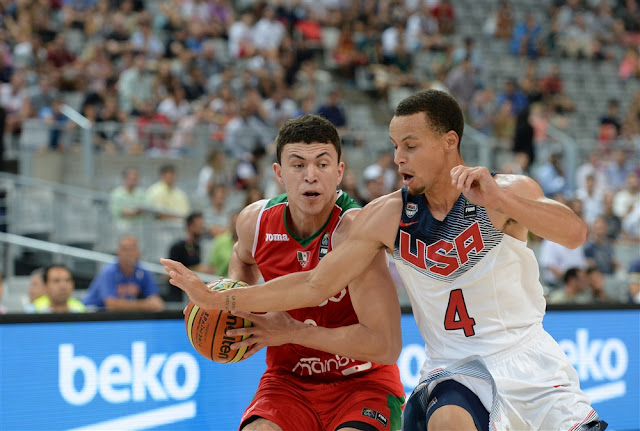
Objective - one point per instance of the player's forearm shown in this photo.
(283, 293)
(545, 218)
(353, 341)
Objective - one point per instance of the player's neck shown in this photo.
(303, 225)
(441, 197)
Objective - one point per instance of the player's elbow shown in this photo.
(388, 351)
(578, 235)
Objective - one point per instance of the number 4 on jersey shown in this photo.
(457, 308)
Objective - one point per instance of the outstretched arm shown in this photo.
(374, 228)
(519, 198)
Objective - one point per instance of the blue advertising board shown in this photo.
(144, 374)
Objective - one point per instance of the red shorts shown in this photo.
(295, 404)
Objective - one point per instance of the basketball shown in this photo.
(207, 329)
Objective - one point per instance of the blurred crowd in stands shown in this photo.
(154, 76)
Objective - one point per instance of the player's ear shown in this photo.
(452, 140)
(277, 169)
(340, 172)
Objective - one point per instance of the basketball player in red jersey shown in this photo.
(458, 235)
(304, 387)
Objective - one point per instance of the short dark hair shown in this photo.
(45, 273)
(191, 218)
(442, 111)
(308, 129)
(167, 168)
(570, 274)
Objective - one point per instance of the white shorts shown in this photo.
(530, 387)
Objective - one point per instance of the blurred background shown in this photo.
(109, 106)
(138, 129)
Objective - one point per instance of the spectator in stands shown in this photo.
(268, 32)
(577, 41)
(445, 15)
(349, 185)
(217, 214)
(551, 176)
(332, 110)
(169, 200)
(620, 167)
(614, 224)
(556, 259)
(126, 201)
(42, 96)
(499, 24)
(634, 282)
(241, 37)
(591, 200)
(222, 248)
(610, 125)
(599, 248)
(470, 51)
(134, 86)
(143, 40)
(35, 290)
(246, 132)
(58, 124)
(597, 283)
(482, 110)
(462, 83)
(373, 178)
(215, 171)
(175, 106)
(124, 285)
(187, 252)
(383, 166)
(523, 138)
(631, 223)
(625, 198)
(575, 290)
(513, 94)
(594, 167)
(630, 64)
(14, 101)
(58, 298)
(527, 37)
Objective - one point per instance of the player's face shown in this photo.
(310, 174)
(419, 152)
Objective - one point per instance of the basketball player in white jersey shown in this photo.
(459, 236)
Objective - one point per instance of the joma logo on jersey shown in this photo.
(440, 261)
(276, 237)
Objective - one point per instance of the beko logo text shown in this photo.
(119, 379)
(597, 359)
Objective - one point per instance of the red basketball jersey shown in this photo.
(278, 252)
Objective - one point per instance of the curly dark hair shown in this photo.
(308, 129)
(441, 110)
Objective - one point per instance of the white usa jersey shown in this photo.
(473, 289)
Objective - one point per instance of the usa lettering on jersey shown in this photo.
(442, 257)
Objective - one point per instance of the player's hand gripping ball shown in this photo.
(207, 329)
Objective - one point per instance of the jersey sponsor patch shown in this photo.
(373, 414)
(470, 210)
(411, 209)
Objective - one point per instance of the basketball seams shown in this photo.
(215, 331)
(210, 340)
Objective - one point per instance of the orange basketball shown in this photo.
(207, 329)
